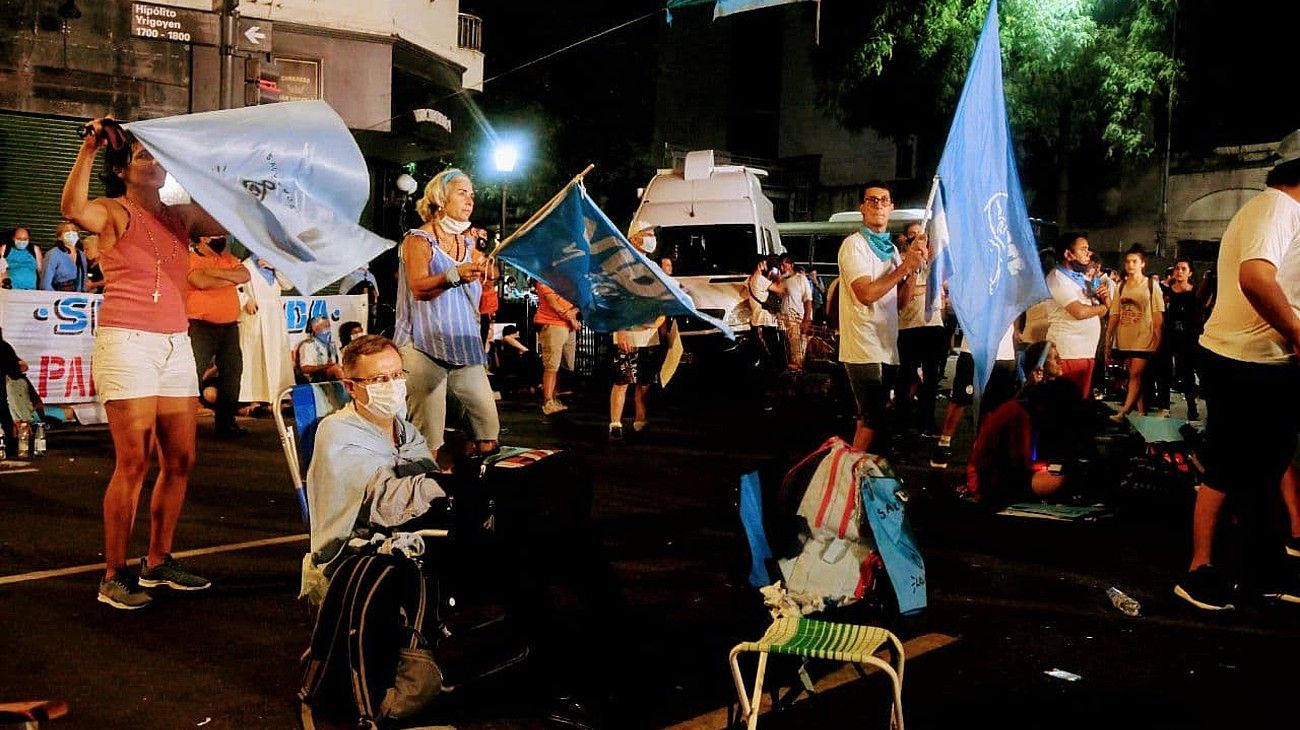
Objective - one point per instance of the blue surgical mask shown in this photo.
(21, 243)
(70, 238)
(325, 338)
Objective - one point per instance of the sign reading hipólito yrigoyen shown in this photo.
(178, 25)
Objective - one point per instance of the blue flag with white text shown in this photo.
(982, 238)
(572, 247)
(287, 180)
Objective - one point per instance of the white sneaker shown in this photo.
(551, 407)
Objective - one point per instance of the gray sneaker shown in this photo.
(123, 592)
(170, 574)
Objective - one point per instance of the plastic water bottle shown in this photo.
(23, 432)
(38, 437)
(1124, 602)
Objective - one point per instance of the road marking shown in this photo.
(7, 472)
(229, 548)
(717, 719)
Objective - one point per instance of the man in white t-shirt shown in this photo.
(871, 273)
(1251, 378)
(796, 311)
(1076, 311)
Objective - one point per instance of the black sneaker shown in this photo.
(1206, 588)
(939, 459)
(615, 433)
(123, 592)
(169, 573)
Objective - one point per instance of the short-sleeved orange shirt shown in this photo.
(217, 306)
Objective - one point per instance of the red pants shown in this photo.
(1079, 372)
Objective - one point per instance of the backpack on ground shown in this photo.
(370, 655)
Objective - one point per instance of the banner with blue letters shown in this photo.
(287, 180)
(54, 333)
(572, 247)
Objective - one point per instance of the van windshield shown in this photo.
(708, 250)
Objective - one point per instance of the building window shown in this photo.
(469, 32)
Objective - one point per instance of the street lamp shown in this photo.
(505, 156)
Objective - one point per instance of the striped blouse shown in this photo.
(446, 328)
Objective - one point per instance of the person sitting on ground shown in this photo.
(318, 358)
(1025, 444)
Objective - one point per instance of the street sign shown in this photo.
(178, 25)
(253, 35)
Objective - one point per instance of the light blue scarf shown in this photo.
(882, 244)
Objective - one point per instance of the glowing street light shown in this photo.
(505, 155)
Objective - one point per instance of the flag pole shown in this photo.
(929, 203)
(540, 212)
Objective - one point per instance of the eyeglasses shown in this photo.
(874, 201)
(381, 378)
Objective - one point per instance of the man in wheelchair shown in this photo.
(371, 469)
(372, 473)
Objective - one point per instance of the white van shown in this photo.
(714, 223)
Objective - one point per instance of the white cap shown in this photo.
(638, 226)
(1288, 150)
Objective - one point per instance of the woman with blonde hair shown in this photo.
(441, 276)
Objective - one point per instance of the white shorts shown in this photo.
(137, 364)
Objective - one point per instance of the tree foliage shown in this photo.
(1079, 74)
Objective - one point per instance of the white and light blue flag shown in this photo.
(287, 180)
(982, 236)
(729, 7)
(571, 246)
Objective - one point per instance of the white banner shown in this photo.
(55, 333)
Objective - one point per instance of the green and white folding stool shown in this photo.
(812, 639)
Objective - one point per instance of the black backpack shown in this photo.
(371, 643)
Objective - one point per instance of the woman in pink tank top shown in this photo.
(143, 367)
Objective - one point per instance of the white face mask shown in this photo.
(70, 238)
(648, 243)
(386, 400)
(453, 227)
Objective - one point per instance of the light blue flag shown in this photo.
(571, 246)
(287, 180)
(982, 234)
(729, 7)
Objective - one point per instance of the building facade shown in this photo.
(393, 69)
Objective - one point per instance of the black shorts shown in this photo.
(871, 384)
(640, 366)
(1252, 419)
(1000, 388)
(1118, 355)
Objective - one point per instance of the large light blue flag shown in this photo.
(571, 246)
(287, 180)
(729, 7)
(982, 236)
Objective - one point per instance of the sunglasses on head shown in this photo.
(110, 132)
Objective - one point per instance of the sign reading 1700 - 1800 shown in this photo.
(178, 25)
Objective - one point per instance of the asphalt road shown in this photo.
(1010, 598)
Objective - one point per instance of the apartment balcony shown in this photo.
(469, 32)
